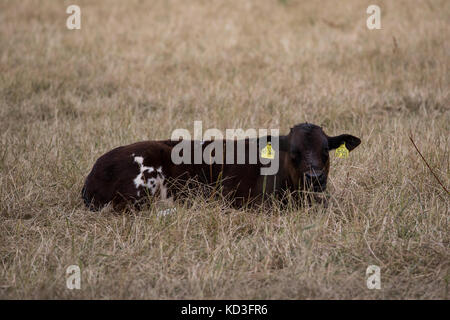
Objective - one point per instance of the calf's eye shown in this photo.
(325, 154)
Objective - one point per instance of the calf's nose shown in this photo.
(315, 176)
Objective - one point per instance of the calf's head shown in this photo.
(308, 149)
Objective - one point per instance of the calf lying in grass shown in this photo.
(146, 170)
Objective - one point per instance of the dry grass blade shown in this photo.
(424, 160)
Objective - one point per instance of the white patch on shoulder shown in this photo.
(152, 184)
(139, 160)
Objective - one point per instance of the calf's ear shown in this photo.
(351, 142)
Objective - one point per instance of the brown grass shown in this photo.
(139, 69)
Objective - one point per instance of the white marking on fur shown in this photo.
(139, 160)
(139, 181)
(152, 184)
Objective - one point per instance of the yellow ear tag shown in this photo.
(342, 151)
(267, 152)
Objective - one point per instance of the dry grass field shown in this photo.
(137, 70)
